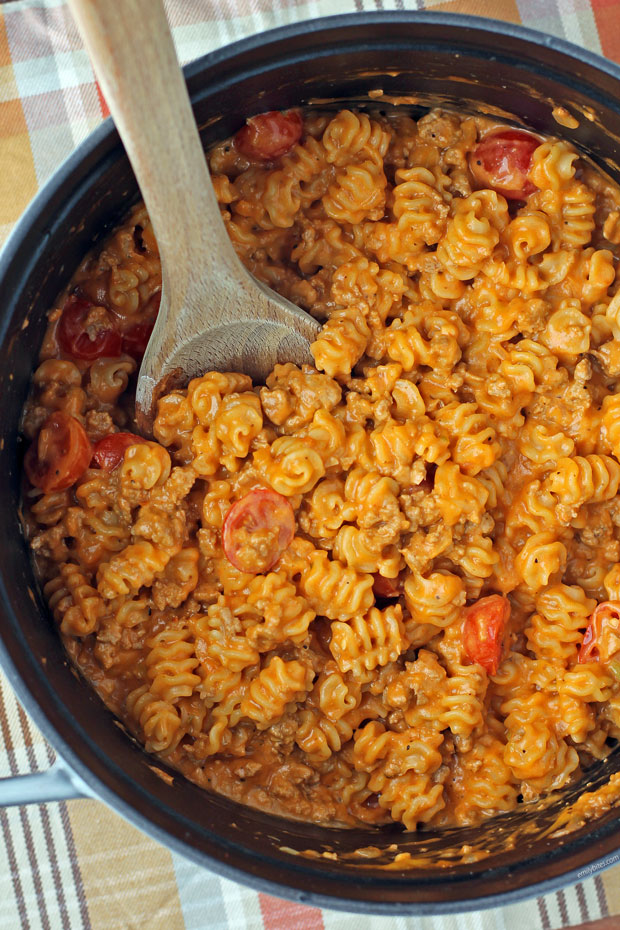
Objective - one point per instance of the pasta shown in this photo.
(386, 586)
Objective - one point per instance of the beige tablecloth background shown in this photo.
(75, 865)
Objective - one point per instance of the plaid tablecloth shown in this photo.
(65, 866)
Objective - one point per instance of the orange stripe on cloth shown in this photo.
(105, 109)
(501, 9)
(18, 180)
(286, 915)
(5, 52)
(607, 17)
(128, 879)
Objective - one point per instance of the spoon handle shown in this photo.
(133, 55)
(213, 314)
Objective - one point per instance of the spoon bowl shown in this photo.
(213, 315)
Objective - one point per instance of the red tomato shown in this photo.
(82, 341)
(386, 587)
(502, 161)
(257, 530)
(483, 632)
(601, 639)
(109, 452)
(60, 454)
(136, 338)
(269, 135)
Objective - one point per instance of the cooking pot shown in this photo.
(462, 62)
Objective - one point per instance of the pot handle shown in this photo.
(58, 783)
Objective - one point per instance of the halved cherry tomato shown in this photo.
(257, 530)
(601, 639)
(136, 338)
(269, 135)
(79, 340)
(484, 630)
(502, 161)
(386, 587)
(59, 455)
(109, 452)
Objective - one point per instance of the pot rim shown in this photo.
(100, 143)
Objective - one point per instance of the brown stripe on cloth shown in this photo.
(601, 897)
(582, 902)
(6, 827)
(45, 821)
(544, 913)
(125, 874)
(75, 865)
(561, 899)
(73, 860)
(15, 879)
(24, 818)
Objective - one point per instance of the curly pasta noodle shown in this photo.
(555, 630)
(366, 642)
(472, 233)
(75, 603)
(277, 684)
(170, 664)
(159, 722)
(283, 616)
(290, 593)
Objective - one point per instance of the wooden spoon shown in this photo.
(213, 313)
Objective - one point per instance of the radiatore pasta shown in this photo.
(385, 587)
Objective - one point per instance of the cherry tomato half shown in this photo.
(136, 338)
(502, 161)
(386, 587)
(484, 629)
(59, 455)
(269, 135)
(80, 340)
(257, 530)
(109, 452)
(601, 639)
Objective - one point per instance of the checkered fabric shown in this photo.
(77, 864)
